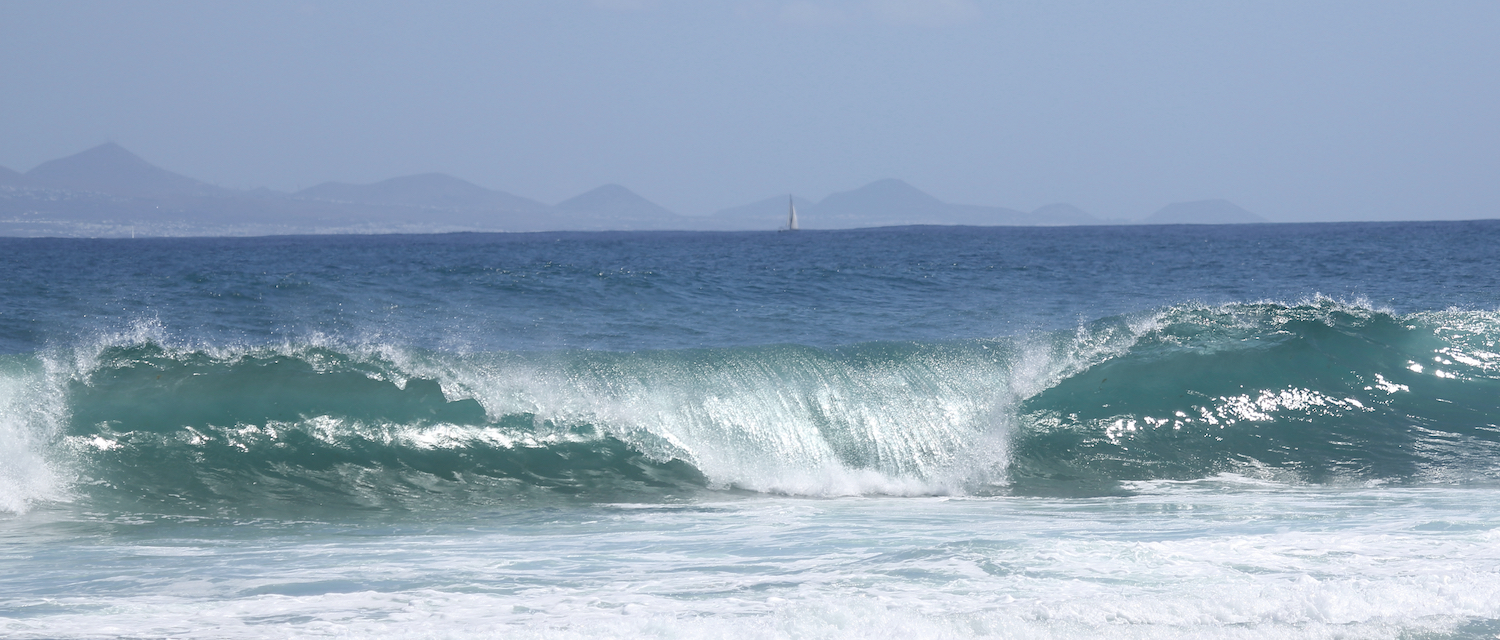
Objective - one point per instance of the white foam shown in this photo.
(777, 421)
(790, 420)
(31, 411)
(1189, 561)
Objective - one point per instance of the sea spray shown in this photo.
(881, 418)
(1320, 391)
(31, 414)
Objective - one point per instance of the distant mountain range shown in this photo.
(109, 191)
(427, 190)
(10, 178)
(109, 168)
(891, 202)
(1202, 212)
(613, 207)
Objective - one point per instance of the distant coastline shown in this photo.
(107, 191)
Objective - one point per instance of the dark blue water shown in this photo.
(627, 291)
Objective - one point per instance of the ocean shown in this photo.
(1239, 431)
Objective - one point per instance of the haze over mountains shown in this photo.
(423, 190)
(109, 168)
(108, 191)
(1202, 212)
(892, 202)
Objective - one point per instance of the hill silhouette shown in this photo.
(422, 190)
(610, 206)
(888, 202)
(11, 178)
(109, 191)
(1062, 214)
(770, 213)
(1202, 212)
(883, 202)
(109, 168)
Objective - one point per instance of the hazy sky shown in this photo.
(1298, 110)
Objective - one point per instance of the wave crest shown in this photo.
(1319, 391)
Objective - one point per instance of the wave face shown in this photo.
(1318, 392)
(382, 428)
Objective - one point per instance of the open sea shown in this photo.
(1247, 431)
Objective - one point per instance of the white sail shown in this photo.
(791, 222)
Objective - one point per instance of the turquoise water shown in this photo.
(1237, 431)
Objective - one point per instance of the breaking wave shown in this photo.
(1315, 392)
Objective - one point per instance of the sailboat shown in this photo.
(791, 216)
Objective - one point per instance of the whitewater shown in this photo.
(1157, 432)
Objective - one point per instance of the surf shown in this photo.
(1315, 392)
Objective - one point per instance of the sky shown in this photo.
(1296, 110)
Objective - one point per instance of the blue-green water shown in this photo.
(1263, 430)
